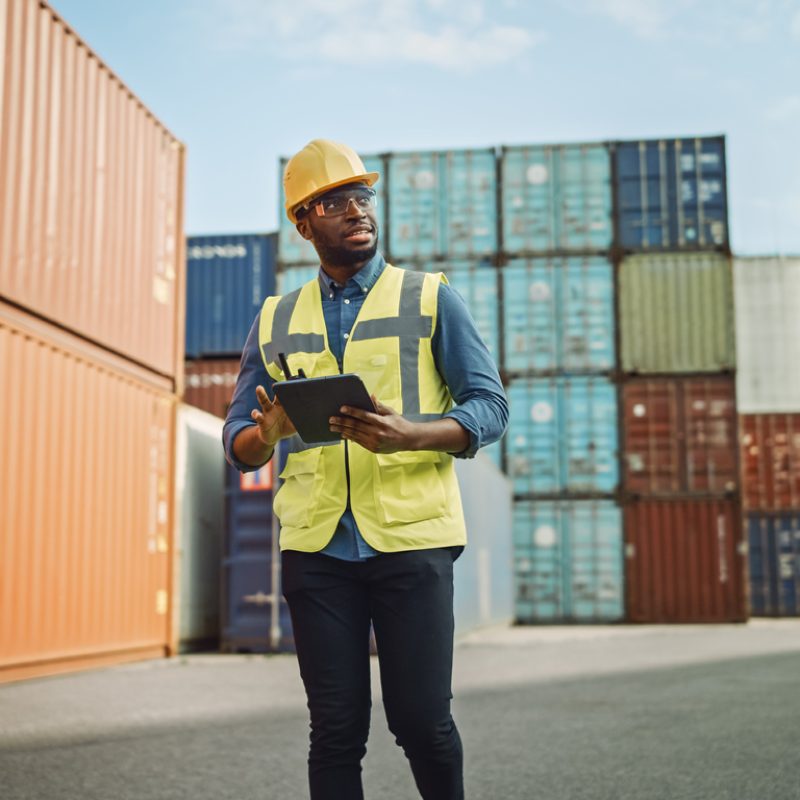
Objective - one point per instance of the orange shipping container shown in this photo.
(91, 192)
(86, 488)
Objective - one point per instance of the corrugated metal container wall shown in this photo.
(255, 615)
(676, 313)
(680, 436)
(294, 277)
(767, 295)
(91, 187)
(294, 249)
(442, 204)
(210, 384)
(568, 561)
(559, 314)
(556, 197)
(476, 282)
(672, 194)
(685, 561)
(86, 493)
(770, 457)
(774, 564)
(199, 528)
(227, 279)
(562, 435)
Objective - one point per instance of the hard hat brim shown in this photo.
(370, 178)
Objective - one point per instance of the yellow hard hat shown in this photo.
(319, 166)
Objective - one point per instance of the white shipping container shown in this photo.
(767, 299)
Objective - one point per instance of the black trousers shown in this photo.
(409, 599)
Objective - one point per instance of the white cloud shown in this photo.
(795, 26)
(448, 34)
(647, 19)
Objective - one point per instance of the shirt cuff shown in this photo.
(229, 433)
(467, 421)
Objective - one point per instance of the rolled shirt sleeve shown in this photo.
(469, 371)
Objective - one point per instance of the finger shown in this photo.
(263, 398)
(359, 413)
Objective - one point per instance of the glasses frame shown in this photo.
(368, 191)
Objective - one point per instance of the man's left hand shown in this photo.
(381, 431)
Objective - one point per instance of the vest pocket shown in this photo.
(298, 498)
(408, 487)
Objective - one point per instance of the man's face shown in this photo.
(348, 239)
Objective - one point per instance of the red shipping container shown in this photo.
(770, 456)
(680, 436)
(685, 560)
(91, 192)
(210, 384)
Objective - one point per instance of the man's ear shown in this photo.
(304, 228)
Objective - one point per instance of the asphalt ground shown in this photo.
(595, 712)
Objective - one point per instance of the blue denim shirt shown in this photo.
(460, 356)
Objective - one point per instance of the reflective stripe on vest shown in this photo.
(400, 501)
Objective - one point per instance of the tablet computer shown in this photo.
(311, 402)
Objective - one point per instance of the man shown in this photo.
(371, 524)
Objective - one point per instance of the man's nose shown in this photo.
(354, 209)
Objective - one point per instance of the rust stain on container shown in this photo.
(86, 488)
(209, 384)
(685, 561)
(680, 436)
(91, 187)
(770, 456)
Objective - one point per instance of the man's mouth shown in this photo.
(360, 235)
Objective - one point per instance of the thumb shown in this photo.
(381, 409)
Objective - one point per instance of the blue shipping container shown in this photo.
(562, 435)
(442, 204)
(672, 194)
(293, 248)
(556, 197)
(247, 568)
(774, 556)
(228, 278)
(558, 313)
(568, 561)
(291, 278)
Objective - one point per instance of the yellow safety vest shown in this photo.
(400, 501)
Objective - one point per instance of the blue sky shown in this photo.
(243, 82)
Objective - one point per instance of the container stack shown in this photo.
(768, 387)
(682, 504)
(557, 291)
(228, 278)
(91, 355)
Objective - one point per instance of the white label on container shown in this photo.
(161, 290)
(539, 290)
(424, 179)
(537, 174)
(541, 412)
(639, 410)
(544, 536)
(163, 511)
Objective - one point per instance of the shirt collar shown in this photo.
(365, 278)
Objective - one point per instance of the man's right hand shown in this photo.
(273, 424)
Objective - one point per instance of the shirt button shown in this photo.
(346, 302)
(331, 296)
(347, 336)
(364, 289)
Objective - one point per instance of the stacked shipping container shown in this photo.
(684, 550)
(228, 278)
(768, 343)
(91, 354)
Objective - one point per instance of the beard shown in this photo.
(336, 256)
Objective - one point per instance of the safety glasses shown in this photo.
(334, 204)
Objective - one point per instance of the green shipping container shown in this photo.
(676, 313)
